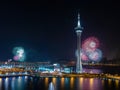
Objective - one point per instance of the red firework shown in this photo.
(90, 44)
(84, 57)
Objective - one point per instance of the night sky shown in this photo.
(46, 29)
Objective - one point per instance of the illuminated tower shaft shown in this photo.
(78, 32)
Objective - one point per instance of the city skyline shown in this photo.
(46, 29)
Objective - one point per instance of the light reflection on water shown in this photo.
(109, 83)
(62, 82)
(13, 83)
(54, 80)
(72, 82)
(90, 84)
(20, 82)
(6, 83)
(46, 82)
(51, 86)
(0, 83)
(30, 83)
(117, 84)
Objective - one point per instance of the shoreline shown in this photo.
(84, 75)
(4, 76)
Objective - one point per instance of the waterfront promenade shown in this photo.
(85, 75)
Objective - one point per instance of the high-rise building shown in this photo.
(78, 31)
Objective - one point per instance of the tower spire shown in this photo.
(78, 24)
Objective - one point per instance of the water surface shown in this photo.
(30, 83)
